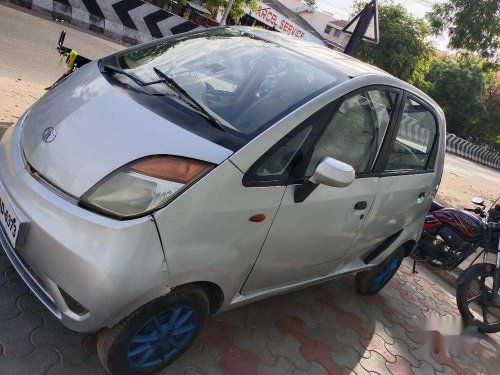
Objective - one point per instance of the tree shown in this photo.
(458, 86)
(402, 42)
(311, 3)
(238, 10)
(473, 25)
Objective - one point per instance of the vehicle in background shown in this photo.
(451, 235)
(72, 59)
(478, 297)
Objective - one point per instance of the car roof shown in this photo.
(345, 64)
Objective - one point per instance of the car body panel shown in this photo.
(309, 239)
(110, 267)
(98, 122)
(207, 234)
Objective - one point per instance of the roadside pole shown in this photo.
(226, 13)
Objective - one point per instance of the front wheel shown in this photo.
(155, 335)
(372, 281)
(475, 300)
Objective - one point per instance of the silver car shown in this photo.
(198, 173)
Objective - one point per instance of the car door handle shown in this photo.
(360, 205)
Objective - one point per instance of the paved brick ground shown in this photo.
(320, 330)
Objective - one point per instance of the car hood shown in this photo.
(98, 129)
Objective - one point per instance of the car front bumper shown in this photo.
(90, 271)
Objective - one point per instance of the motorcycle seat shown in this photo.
(435, 206)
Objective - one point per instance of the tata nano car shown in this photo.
(197, 173)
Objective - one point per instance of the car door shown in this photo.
(309, 239)
(407, 174)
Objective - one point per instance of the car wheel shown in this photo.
(156, 334)
(372, 281)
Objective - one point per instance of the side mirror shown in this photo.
(330, 172)
(478, 201)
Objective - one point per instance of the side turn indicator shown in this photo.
(258, 218)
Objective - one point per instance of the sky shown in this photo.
(343, 8)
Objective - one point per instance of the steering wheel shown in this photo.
(211, 96)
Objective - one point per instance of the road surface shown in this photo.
(28, 41)
(467, 168)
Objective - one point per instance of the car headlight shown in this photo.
(144, 185)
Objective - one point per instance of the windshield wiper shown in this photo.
(174, 85)
(114, 69)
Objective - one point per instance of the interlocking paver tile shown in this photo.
(4, 265)
(400, 367)
(68, 343)
(9, 293)
(425, 369)
(319, 330)
(36, 363)
(378, 328)
(89, 366)
(257, 342)
(377, 344)
(423, 354)
(29, 303)
(400, 348)
(283, 366)
(15, 334)
(374, 363)
(350, 358)
(290, 348)
(206, 361)
(316, 369)
(352, 340)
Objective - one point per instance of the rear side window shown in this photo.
(356, 131)
(415, 137)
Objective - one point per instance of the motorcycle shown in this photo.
(451, 235)
(477, 295)
(72, 58)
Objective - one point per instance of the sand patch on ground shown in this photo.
(15, 96)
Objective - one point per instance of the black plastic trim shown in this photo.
(381, 247)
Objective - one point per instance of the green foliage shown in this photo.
(473, 25)
(238, 10)
(468, 95)
(402, 48)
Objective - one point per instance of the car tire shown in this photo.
(156, 334)
(371, 282)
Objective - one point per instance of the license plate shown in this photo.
(10, 221)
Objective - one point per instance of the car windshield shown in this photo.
(245, 82)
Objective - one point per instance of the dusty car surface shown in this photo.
(197, 173)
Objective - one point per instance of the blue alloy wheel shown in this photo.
(162, 338)
(386, 272)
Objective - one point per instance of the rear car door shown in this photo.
(407, 174)
(310, 238)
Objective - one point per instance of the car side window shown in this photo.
(276, 165)
(356, 131)
(412, 147)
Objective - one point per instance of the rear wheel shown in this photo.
(372, 281)
(155, 335)
(476, 302)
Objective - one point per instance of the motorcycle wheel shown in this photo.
(476, 303)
